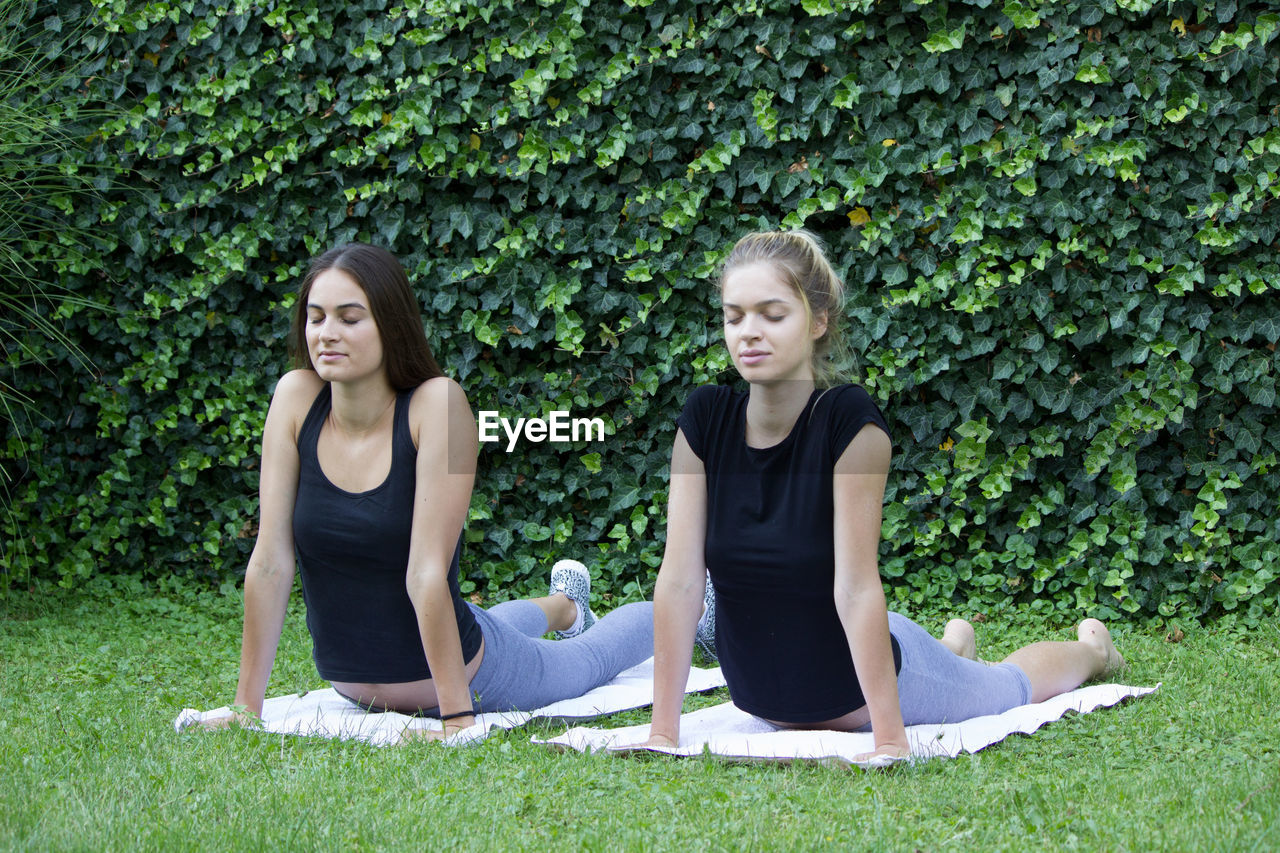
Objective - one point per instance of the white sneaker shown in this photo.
(705, 638)
(572, 578)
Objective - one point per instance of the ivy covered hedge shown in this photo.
(1058, 223)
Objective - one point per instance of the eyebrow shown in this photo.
(760, 304)
(319, 307)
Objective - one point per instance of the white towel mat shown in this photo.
(323, 713)
(724, 730)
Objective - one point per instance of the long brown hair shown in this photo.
(406, 354)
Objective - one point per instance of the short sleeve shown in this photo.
(851, 409)
(695, 416)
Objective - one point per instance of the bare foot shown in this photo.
(959, 637)
(1093, 632)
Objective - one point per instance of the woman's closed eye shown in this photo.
(734, 319)
(317, 319)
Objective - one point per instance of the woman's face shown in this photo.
(342, 338)
(766, 328)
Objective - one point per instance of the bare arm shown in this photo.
(446, 469)
(858, 486)
(677, 595)
(269, 576)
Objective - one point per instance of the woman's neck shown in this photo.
(360, 407)
(772, 410)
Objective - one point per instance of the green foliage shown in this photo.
(1058, 224)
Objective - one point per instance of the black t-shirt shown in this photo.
(770, 551)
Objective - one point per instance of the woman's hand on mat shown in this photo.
(456, 732)
(237, 716)
(658, 741)
(884, 755)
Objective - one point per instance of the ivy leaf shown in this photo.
(894, 273)
(1020, 406)
(1083, 403)
(625, 492)
(945, 40)
(1244, 436)
(1223, 355)
(758, 173)
(1267, 329)
(964, 400)
(500, 535)
(1023, 15)
(535, 532)
(1262, 392)
(1049, 392)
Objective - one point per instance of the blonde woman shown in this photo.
(777, 493)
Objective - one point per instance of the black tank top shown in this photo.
(353, 554)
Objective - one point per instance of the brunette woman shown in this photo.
(368, 461)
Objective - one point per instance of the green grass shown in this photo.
(90, 682)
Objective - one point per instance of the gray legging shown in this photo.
(520, 671)
(937, 686)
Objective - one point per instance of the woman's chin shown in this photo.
(766, 377)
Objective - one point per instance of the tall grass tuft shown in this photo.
(42, 119)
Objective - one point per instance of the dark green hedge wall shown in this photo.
(1058, 223)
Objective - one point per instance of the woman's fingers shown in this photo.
(221, 721)
(449, 735)
(409, 735)
(228, 719)
(654, 742)
(885, 756)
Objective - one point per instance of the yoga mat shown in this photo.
(725, 730)
(323, 713)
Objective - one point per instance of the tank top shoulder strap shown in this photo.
(402, 434)
(310, 432)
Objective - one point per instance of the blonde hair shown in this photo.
(800, 261)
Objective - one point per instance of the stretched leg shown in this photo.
(521, 672)
(1056, 667)
(564, 609)
(534, 617)
(937, 685)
